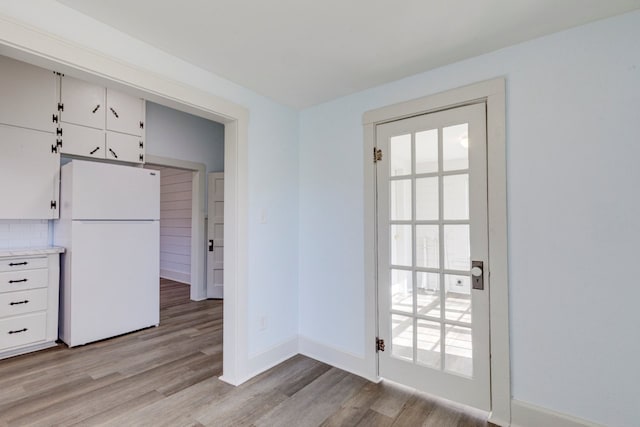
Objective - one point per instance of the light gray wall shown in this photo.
(573, 120)
(177, 135)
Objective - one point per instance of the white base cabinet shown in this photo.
(29, 289)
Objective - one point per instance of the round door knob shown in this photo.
(476, 272)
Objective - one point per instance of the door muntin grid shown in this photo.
(429, 265)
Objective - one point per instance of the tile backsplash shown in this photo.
(22, 233)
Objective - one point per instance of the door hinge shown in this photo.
(58, 74)
(54, 204)
(377, 155)
(55, 118)
(59, 142)
(60, 106)
(54, 148)
(379, 344)
(141, 125)
(141, 144)
(59, 131)
(141, 158)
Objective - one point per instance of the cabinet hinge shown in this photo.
(141, 144)
(377, 155)
(141, 158)
(58, 74)
(55, 118)
(59, 131)
(54, 148)
(54, 204)
(141, 125)
(379, 344)
(60, 106)
(59, 142)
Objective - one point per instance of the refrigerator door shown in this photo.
(114, 287)
(104, 191)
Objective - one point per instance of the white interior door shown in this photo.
(215, 254)
(432, 229)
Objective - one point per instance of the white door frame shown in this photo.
(35, 46)
(493, 93)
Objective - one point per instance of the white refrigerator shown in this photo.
(109, 223)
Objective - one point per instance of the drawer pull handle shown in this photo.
(19, 302)
(18, 331)
(13, 264)
(94, 150)
(18, 281)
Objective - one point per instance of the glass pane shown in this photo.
(427, 246)
(400, 147)
(402, 337)
(456, 196)
(456, 247)
(428, 294)
(401, 245)
(457, 302)
(401, 200)
(427, 198)
(455, 147)
(402, 291)
(427, 151)
(458, 350)
(429, 343)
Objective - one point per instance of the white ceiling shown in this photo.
(304, 52)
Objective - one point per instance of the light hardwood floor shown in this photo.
(167, 376)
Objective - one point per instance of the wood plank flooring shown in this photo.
(167, 376)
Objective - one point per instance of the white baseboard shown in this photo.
(527, 415)
(176, 276)
(338, 358)
(266, 360)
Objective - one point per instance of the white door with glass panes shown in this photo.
(433, 294)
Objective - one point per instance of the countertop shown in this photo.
(44, 250)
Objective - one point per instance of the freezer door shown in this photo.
(114, 284)
(105, 191)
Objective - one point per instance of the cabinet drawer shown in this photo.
(22, 302)
(17, 264)
(11, 281)
(21, 330)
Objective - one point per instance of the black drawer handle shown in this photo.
(94, 150)
(114, 112)
(18, 281)
(113, 153)
(96, 109)
(18, 331)
(19, 302)
(13, 264)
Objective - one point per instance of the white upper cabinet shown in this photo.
(125, 113)
(123, 147)
(29, 173)
(82, 103)
(28, 95)
(83, 141)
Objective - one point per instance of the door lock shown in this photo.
(210, 245)
(477, 273)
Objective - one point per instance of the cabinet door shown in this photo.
(84, 103)
(83, 141)
(29, 173)
(29, 95)
(125, 113)
(126, 148)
